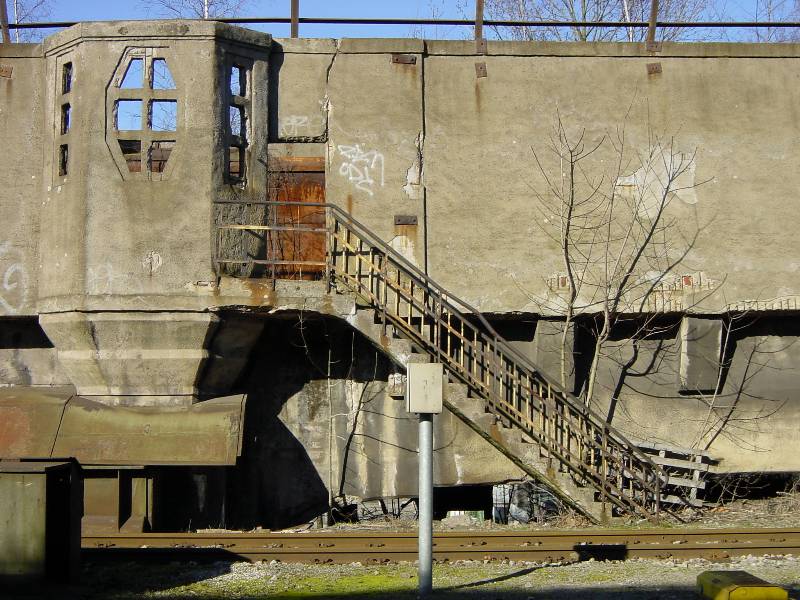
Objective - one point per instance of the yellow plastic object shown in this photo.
(737, 585)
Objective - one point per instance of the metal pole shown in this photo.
(425, 504)
(295, 18)
(478, 19)
(651, 26)
(4, 22)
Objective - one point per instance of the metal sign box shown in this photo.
(425, 388)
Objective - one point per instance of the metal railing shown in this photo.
(454, 333)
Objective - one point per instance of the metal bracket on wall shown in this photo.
(481, 47)
(653, 46)
(6, 70)
(653, 68)
(480, 69)
(404, 59)
(405, 219)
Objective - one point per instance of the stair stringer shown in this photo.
(401, 351)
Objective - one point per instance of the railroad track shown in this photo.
(371, 547)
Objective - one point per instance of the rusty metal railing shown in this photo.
(454, 333)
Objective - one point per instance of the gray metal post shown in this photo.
(651, 26)
(425, 504)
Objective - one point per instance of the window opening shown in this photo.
(164, 115)
(63, 160)
(134, 75)
(129, 115)
(238, 77)
(142, 131)
(237, 117)
(66, 115)
(132, 151)
(236, 121)
(162, 76)
(66, 78)
(236, 162)
(159, 155)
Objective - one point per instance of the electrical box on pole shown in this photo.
(424, 396)
(425, 388)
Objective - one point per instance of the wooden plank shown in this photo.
(675, 449)
(683, 482)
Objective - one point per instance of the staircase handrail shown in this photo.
(453, 302)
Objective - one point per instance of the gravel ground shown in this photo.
(629, 580)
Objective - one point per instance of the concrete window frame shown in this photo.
(237, 143)
(152, 142)
(64, 82)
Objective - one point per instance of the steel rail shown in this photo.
(383, 547)
(456, 23)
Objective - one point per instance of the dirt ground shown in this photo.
(628, 580)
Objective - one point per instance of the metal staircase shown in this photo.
(499, 393)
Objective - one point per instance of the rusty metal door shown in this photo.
(297, 241)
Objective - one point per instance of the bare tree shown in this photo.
(197, 9)
(28, 11)
(594, 11)
(774, 11)
(737, 407)
(608, 207)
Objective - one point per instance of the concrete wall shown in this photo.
(732, 103)
(21, 121)
(118, 266)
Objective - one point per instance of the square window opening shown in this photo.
(236, 122)
(66, 118)
(66, 78)
(164, 115)
(162, 76)
(159, 155)
(238, 79)
(128, 115)
(132, 152)
(134, 74)
(63, 160)
(236, 163)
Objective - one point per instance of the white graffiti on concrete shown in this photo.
(152, 262)
(362, 168)
(291, 125)
(104, 280)
(14, 281)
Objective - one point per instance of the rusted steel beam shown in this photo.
(381, 547)
(467, 23)
(4, 22)
(651, 25)
(478, 19)
(295, 18)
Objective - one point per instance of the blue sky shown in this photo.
(101, 10)
(84, 10)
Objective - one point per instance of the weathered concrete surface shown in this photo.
(40, 423)
(22, 109)
(29, 420)
(484, 241)
(119, 266)
(701, 347)
(321, 422)
(209, 433)
(749, 424)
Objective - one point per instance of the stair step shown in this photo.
(472, 405)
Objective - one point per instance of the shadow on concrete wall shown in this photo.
(276, 483)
